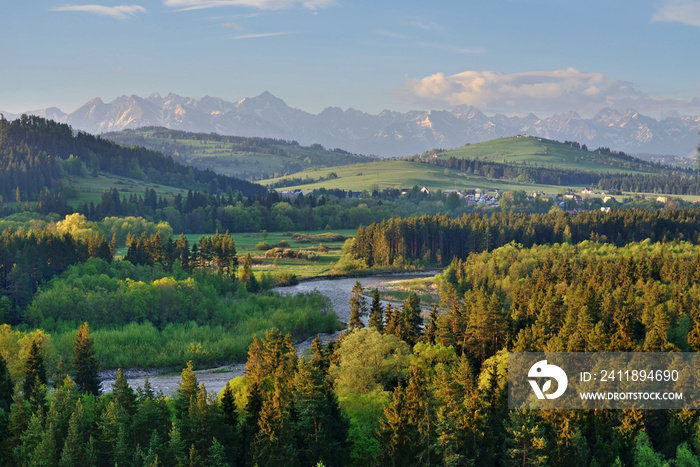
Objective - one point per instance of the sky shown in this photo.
(502, 56)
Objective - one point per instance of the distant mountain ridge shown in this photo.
(385, 134)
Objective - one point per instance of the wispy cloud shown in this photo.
(236, 26)
(263, 34)
(679, 11)
(183, 5)
(390, 34)
(537, 91)
(425, 26)
(118, 12)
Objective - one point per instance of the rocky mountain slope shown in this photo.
(386, 134)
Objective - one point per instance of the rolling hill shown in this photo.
(242, 157)
(37, 155)
(546, 153)
(515, 163)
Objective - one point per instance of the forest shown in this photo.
(110, 284)
(395, 392)
(36, 153)
(438, 239)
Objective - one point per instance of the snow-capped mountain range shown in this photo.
(386, 134)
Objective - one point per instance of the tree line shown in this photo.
(665, 179)
(437, 239)
(29, 258)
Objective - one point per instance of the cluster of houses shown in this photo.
(474, 196)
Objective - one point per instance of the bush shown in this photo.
(288, 253)
(262, 246)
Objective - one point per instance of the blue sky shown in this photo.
(507, 56)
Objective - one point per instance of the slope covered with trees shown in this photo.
(35, 154)
(244, 157)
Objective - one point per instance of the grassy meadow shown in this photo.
(540, 151)
(404, 174)
(308, 242)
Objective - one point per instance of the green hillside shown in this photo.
(542, 152)
(248, 158)
(399, 174)
(515, 163)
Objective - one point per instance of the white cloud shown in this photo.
(118, 12)
(679, 11)
(263, 34)
(537, 91)
(259, 4)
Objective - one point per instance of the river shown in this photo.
(338, 291)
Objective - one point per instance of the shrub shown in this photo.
(262, 246)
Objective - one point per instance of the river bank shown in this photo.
(338, 292)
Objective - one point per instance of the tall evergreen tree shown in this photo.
(410, 321)
(35, 376)
(358, 307)
(84, 362)
(7, 388)
(376, 315)
(187, 390)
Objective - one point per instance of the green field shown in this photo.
(91, 188)
(542, 153)
(238, 157)
(528, 151)
(406, 174)
(247, 242)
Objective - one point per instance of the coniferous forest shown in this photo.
(415, 380)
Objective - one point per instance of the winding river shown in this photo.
(338, 291)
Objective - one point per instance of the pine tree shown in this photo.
(430, 333)
(84, 362)
(187, 390)
(391, 320)
(34, 387)
(319, 355)
(358, 307)
(410, 320)
(228, 407)
(123, 394)
(644, 453)
(7, 388)
(397, 432)
(376, 316)
(526, 442)
(216, 456)
(74, 448)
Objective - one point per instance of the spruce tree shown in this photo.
(7, 388)
(188, 389)
(74, 448)
(410, 320)
(84, 362)
(358, 307)
(216, 456)
(376, 315)
(124, 395)
(430, 333)
(228, 407)
(34, 387)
